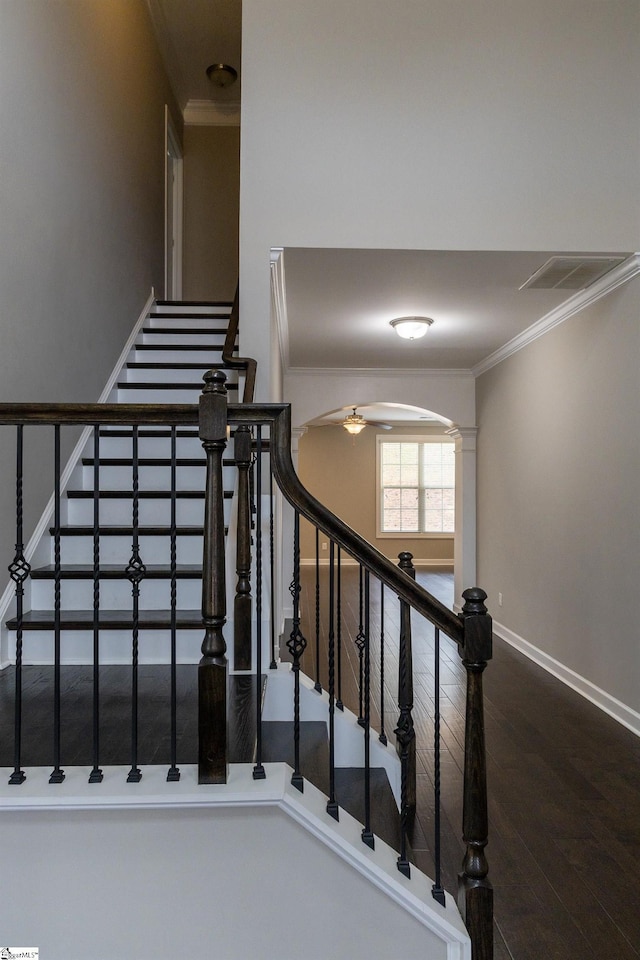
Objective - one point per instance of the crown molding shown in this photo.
(584, 298)
(386, 372)
(211, 113)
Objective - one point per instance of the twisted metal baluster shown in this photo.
(19, 570)
(96, 773)
(296, 645)
(57, 775)
(436, 890)
(173, 773)
(383, 737)
(367, 833)
(272, 566)
(359, 642)
(135, 573)
(258, 770)
(317, 685)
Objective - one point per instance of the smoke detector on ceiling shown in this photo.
(570, 273)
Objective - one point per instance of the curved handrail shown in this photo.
(248, 364)
(278, 416)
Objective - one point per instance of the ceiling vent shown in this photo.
(570, 273)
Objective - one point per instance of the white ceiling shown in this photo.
(339, 302)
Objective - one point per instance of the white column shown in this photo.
(465, 536)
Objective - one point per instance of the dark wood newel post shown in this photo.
(405, 732)
(212, 669)
(242, 602)
(475, 893)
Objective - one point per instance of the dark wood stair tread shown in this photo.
(108, 620)
(185, 315)
(194, 303)
(142, 494)
(149, 462)
(156, 365)
(217, 347)
(127, 531)
(143, 385)
(113, 571)
(204, 331)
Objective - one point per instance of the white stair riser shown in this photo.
(151, 512)
(174, 374)
(213, 354)
(158, 395)
(115, 646)
(118, 549)
(116, 594)
(213, 340)
(194, 320)
(195, 310)
(149, 478)
(187, 448)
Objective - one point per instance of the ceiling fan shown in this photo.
(354, 422)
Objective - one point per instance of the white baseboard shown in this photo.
(45, 520)
(624, 714)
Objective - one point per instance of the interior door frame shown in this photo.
(173, 209)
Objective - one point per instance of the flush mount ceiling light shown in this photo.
(222, 75)
(411, 328)
(354, 423)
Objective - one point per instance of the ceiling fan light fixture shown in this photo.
(222, 75)
(354, 423)
(411, 328)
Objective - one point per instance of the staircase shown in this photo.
(176, 345)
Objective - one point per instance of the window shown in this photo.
(416, 487)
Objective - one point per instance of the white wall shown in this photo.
(558, 516)
(82, 205)
(458, 124)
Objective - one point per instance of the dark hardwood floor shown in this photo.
(563, 782)
(563, 778)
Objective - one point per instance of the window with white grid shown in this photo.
(416, 487)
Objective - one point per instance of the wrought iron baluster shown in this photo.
(242, 602)
(173, 772)
(359, 642)
(332, 804)
(96, 773)
(296, 644)
(436, 890)
(135, 573)
(272, 569)
(339, 703)
(57, 775)
(405, 732)
(19, 570)
(367, 833)
(317, 685)
(383, 737)
(258, 770)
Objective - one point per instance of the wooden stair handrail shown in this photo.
(248, 364)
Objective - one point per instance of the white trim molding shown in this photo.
(584, 298)
(279, 301)
(395, 372)
(211, 113)
(624, 714)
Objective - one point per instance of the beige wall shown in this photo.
(211, 212)
(82, 205)
(558, 493)
(341, 473)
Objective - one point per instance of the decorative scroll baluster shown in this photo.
(57, 775)
(19, 570)
(367, 833)
(405, 732)
(96, 773)
(383, 737)
(258, 770)
(135, 572)
(296, 645)
(272, 569)
(436, 890)
(317, 685)
(173, 772)
(359, 642)
(212, 669)
(242, 601)
(339, 703)
(475, 893)
(332, 804)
